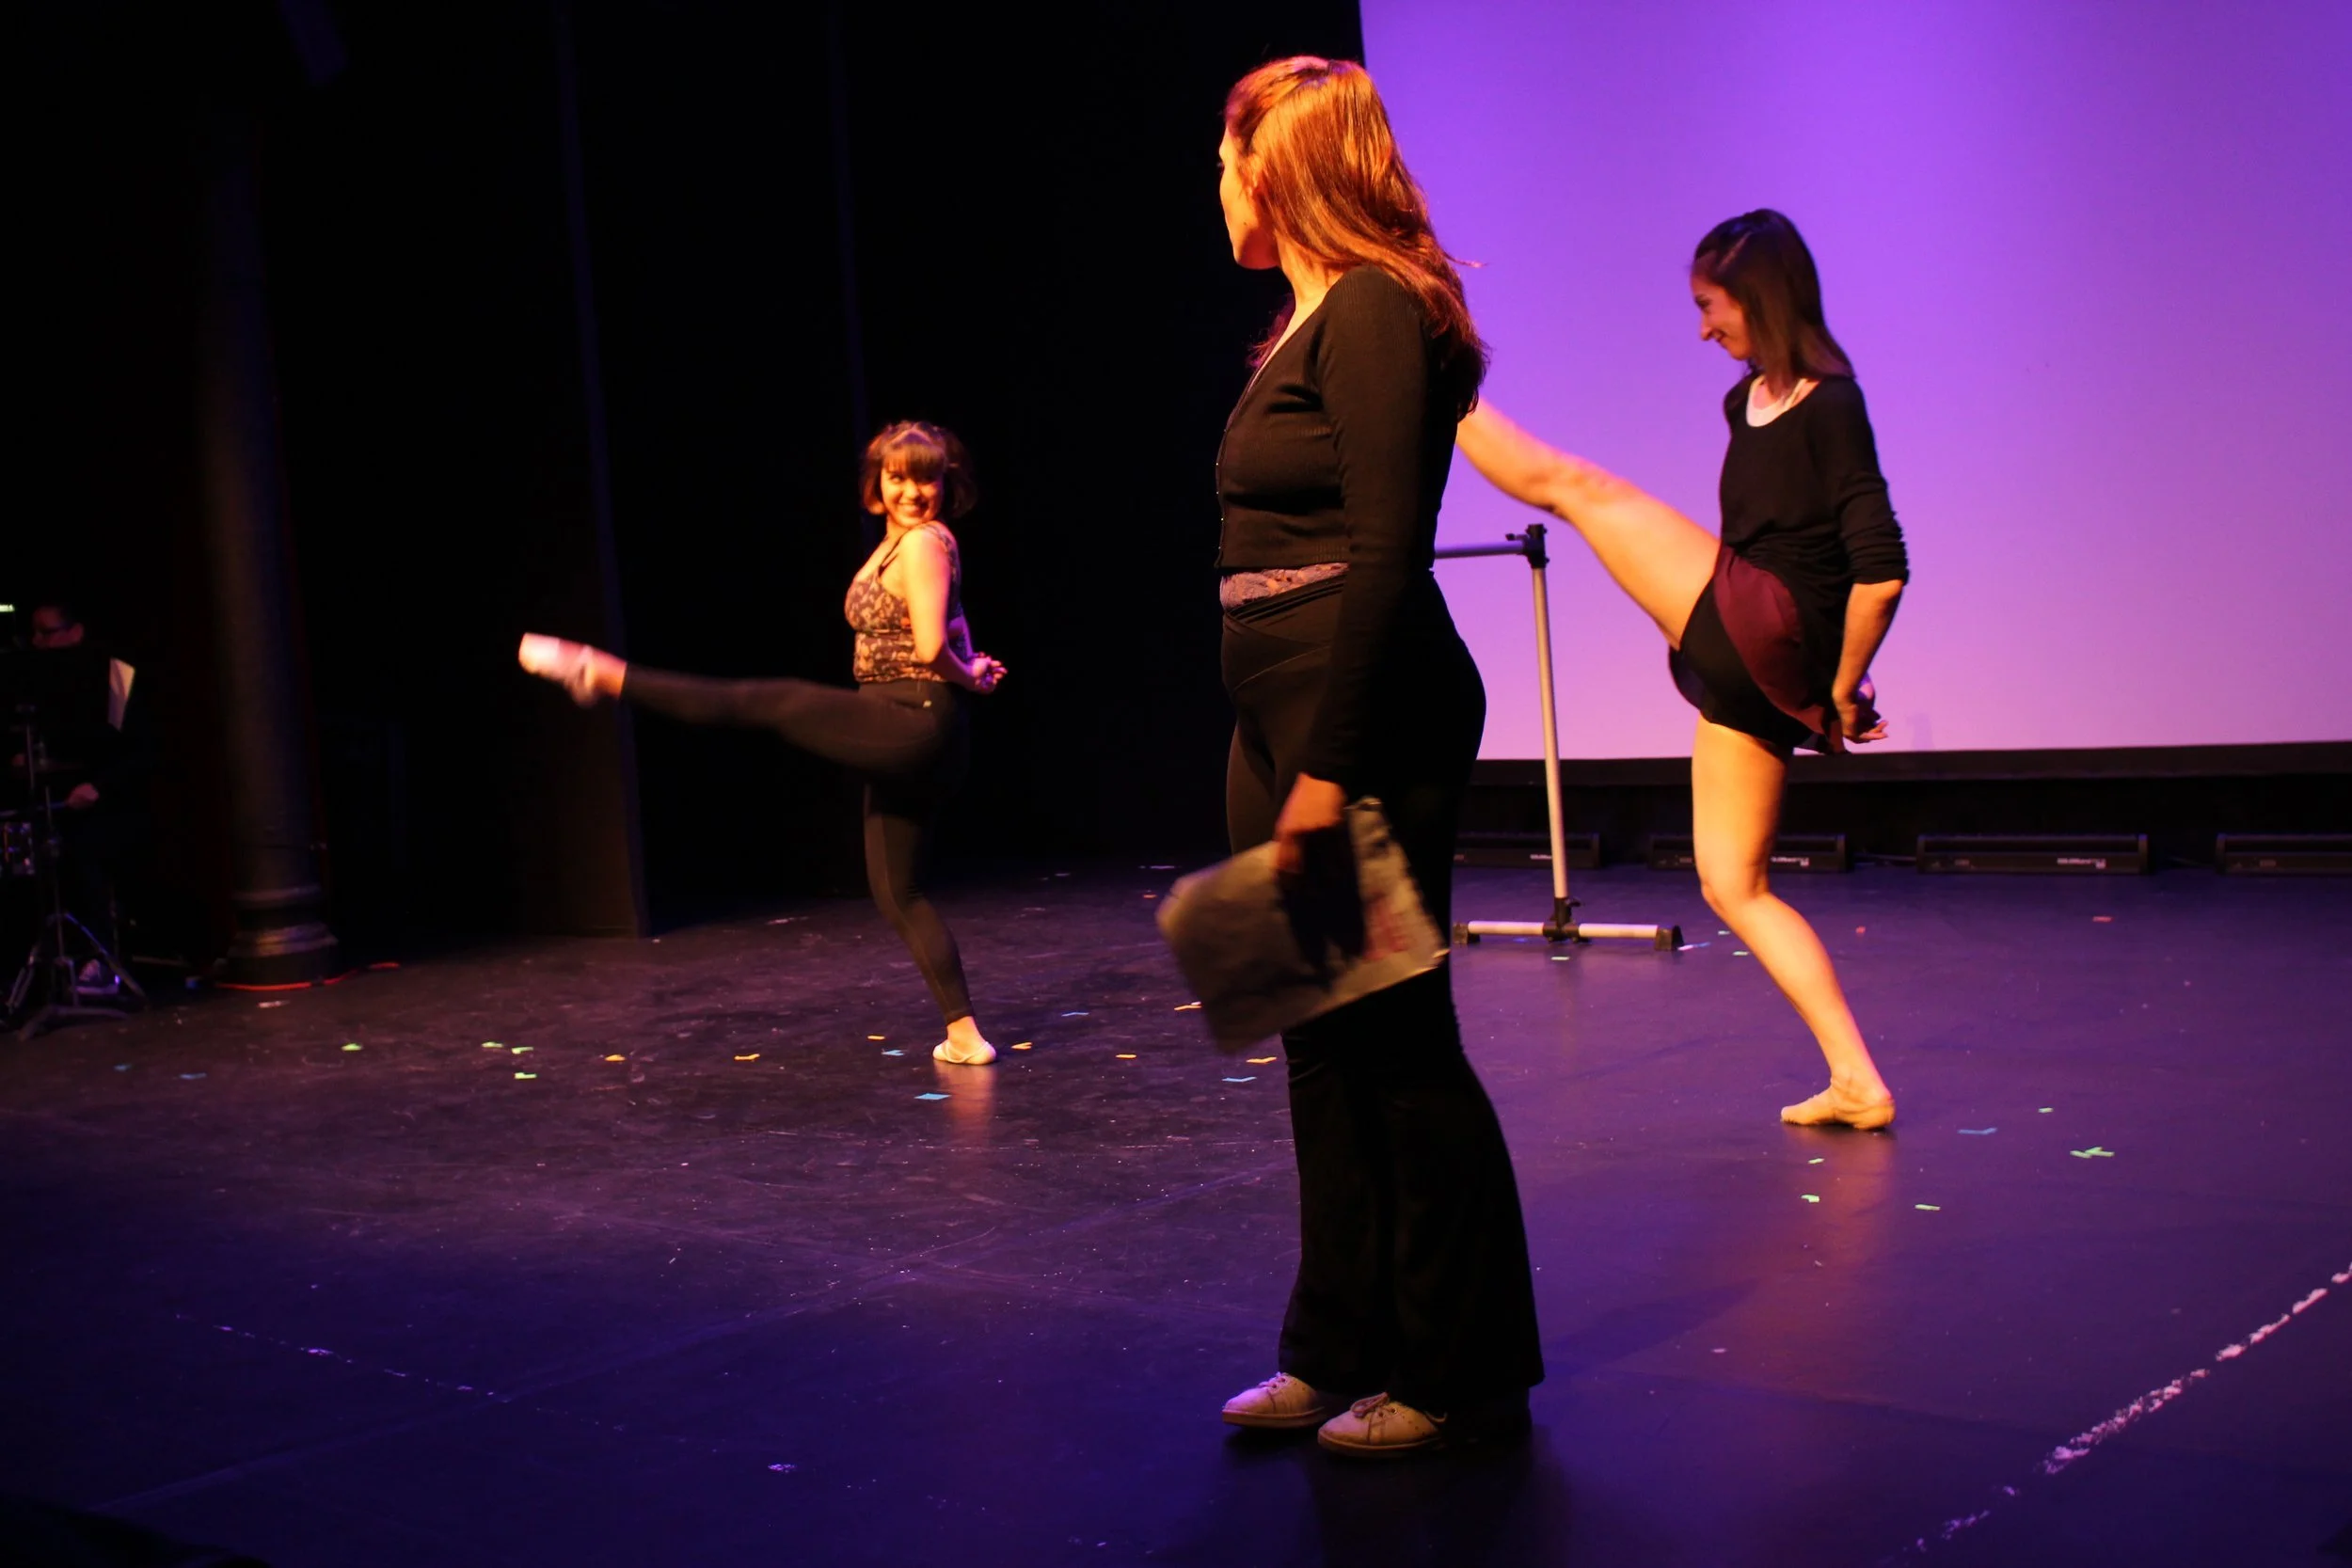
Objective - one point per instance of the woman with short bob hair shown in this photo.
(904, 727)
(1773, 626)
(1412, 1320)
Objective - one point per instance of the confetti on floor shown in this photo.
(191, 1077)
(1259, 1061)
(492, 1045)
(1024, 1045)
(1816, 1159)
(878, 1037)
(1252, 1079)
(1978, 1132)
(1126, 1056)
(1159, 868)
(1077, 1015)
(2103, 920)
(1861, 930)
(2093, 1152)
(894, 1051)
(518, 1049)
(1810, 1197)
(2047, 1109)
(616, 1058)
(1741, 953)
(351, 1048)
(1189, 1007)
(753, 1058)
(526, 1075)
(1929, 1208)
(122, 1067)
(1692, 946)
(932, 1094)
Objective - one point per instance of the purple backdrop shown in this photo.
(2088, 258)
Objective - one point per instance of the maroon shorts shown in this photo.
(1744, 663)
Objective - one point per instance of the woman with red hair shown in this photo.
(903, 728)
(1412, 1321)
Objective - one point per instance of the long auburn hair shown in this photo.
(1333, 184)
(1761, 261)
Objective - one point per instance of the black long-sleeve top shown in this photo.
(1803, 499)
(1338, 452)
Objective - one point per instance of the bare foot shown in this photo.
(586, 672)
(1839, 1104)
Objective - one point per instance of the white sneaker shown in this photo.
(1281, 1403)
(569, 665)
(1379, 1427)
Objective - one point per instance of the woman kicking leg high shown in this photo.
(1773, 626)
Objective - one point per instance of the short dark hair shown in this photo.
(923, 453)
(1761, 261)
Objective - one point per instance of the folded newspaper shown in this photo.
(1266, 952)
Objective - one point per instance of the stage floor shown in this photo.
(757, 1294)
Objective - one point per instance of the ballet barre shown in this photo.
(1563, 926)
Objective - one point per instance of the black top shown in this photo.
(1339, 451)
(1803, 498)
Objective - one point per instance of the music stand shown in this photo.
(53, 957)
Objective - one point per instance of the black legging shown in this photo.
(1412, 1269)
(910, 740)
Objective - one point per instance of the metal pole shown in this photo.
(1560, 903)
(1561, 927)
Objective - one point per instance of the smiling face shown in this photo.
(1245, 223)
(1722, 321)
(908, 502)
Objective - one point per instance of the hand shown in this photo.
(1315, 806)
(986, 672)
(1858, 717)
(83, 797)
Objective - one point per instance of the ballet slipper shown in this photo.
(1831, 1108)
(976, 1055)
(572, 666)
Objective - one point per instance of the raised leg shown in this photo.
(1661, 558)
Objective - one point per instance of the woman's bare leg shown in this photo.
(1661, 558)
(1736, 783)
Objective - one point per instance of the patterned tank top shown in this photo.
(886, 633)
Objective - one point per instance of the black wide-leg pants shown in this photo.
(1412, 1274)
(910, 740)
